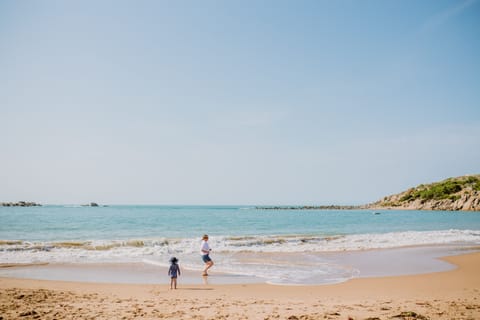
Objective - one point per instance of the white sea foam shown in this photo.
(135, 250)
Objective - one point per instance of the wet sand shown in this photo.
(308, 268)
(451, 294)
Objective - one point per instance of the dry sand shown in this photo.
(443, 295)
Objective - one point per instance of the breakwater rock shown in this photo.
(329, 207)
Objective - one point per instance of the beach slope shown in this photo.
(444, 295)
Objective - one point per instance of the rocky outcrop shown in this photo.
(457, 194)
(19, 204)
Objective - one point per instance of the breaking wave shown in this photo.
(17, 251)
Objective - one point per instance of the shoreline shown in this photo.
(339, 267)
(453, 294)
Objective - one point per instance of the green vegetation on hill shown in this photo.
(446, 189)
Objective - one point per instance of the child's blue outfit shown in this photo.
(173, 271)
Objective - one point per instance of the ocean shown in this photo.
(275, 246)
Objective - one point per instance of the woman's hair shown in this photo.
(205, 236)
(173, 260)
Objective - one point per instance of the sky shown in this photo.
(236, 102)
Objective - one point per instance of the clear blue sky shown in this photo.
(236, 102)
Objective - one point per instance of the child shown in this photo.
(205, 252)
(173, 271)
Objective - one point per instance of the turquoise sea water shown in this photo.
(55, 223)
(245, 240)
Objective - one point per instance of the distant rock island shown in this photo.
(91, 204)
(19, 204)
(453, 194)
(34, 204)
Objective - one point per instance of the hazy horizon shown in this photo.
(236, 103)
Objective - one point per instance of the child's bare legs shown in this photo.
(173, 283)
(208, 265)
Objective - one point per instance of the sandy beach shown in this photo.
(443, 295)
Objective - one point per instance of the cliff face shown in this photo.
(460, 193)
